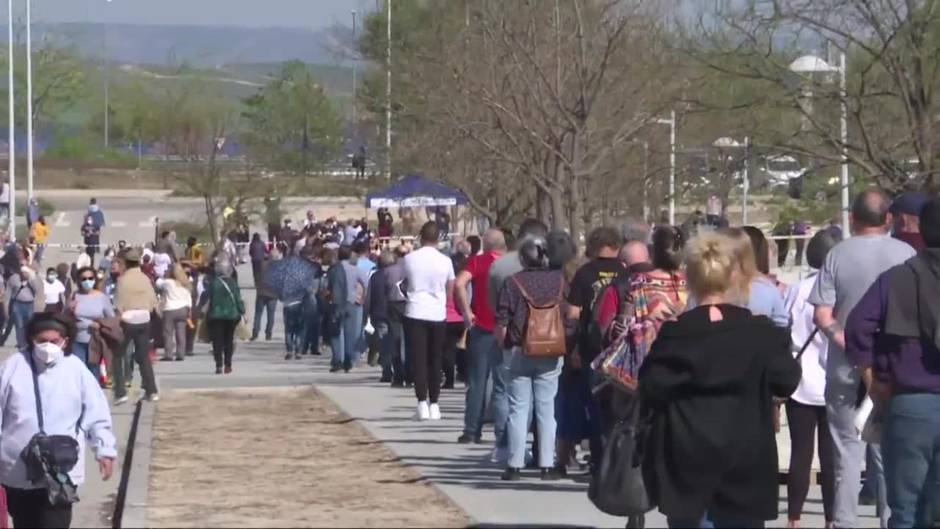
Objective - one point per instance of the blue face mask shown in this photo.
(88, 284)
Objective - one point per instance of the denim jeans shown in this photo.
(716, 522)
(294, 329)
(911, 445)
(264, 304)
(81, 351)
(482, 351)
(532, 380)
(21, 312)
(347, 346)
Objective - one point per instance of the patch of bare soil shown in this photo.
(279, 458)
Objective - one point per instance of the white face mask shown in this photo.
(48, 352)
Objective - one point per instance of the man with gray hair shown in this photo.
(848, 272)
(635, 230)
(480, 320)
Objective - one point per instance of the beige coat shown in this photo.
(135, 292)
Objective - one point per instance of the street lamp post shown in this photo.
(672, 164)
(731, 143)
(355, 72)
(388, 93)
(808, 65)
(29, 105)
(11, 141)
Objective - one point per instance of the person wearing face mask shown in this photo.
(89, 305)
(54, 291)
(223, 306)
(70, 401)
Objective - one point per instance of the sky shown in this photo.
(311, 14)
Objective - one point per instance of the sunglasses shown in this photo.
(86, 278)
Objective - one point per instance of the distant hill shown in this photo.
(199, 46)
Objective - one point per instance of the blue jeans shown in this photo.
(911, 447)
(313, 320)
(482, 351)
(717, 522)
(264, 304)
(294, 329)
(347, 346)
(21, 312)
(81, 351)
(532, 380)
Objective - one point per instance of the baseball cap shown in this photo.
(909, 203)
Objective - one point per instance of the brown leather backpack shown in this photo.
(545, 328)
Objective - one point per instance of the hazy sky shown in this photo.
(312, 14)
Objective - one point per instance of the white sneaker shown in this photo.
(435, 412)
(122, 400)
(423, 413)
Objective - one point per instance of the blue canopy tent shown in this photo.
(416, 191)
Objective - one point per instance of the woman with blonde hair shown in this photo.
(707, 387)
(753, 288)
(176, 296)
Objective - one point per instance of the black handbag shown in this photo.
(49, 458)
(617, 486)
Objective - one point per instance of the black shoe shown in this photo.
(268, 338)
(316, 352)
(448, 385)
(166, 358)
(335, 369)
(288, 356)
(512, 474)
(385, 379)
(218, 370)
(561, 470)
(190, 353)
(296, 356)
(254, 338)
(465, 439)
(180, 359)
(550, 474)
(398, 384)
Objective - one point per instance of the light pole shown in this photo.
(11, 141)
(107, 87)
(355, 68)
(388, 93)
(672, 164)
(808, 65)
(29, 105)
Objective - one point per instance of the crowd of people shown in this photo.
(682, 337)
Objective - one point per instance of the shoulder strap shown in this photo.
(528, 299)
(228, 289)
(32, 368)
(809, 340)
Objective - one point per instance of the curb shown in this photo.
(131, 505)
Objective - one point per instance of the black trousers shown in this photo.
(803, 421)
(401, 366)
(425, 343)
(30, 508)
(222, 334)
(455, 332)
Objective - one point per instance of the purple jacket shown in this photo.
(909, 365)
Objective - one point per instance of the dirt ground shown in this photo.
(280, 458)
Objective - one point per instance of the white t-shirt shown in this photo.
(161, 263)
(53, 291)
(812, 388)
(427, 272)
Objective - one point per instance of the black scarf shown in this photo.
(914, 298)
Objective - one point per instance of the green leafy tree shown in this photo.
(291, 124)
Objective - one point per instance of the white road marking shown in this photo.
(60, 220)
(119, 224)
(149, 223)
